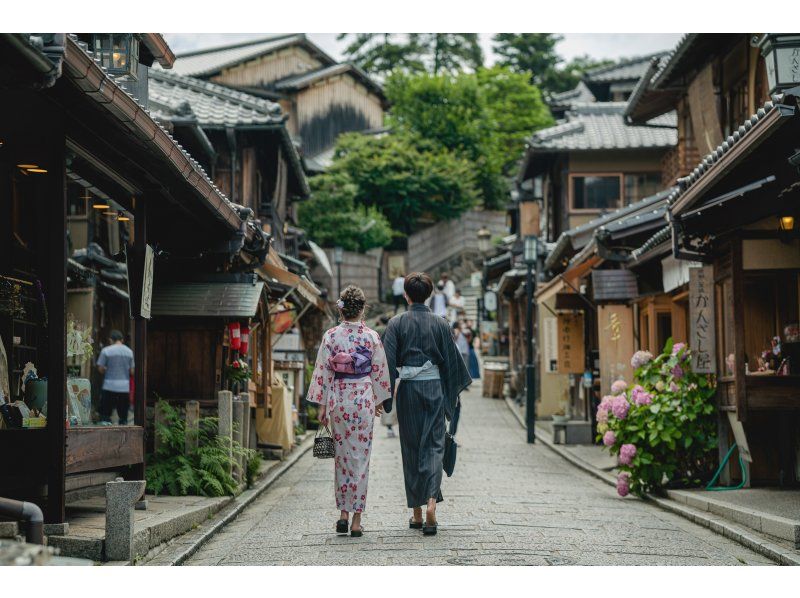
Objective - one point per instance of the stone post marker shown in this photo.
(238, 424)
(225, 414)
(121, 496)
(192, 426)
(246, 420)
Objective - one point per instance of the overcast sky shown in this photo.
(597, 45)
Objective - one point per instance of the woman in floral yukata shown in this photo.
(350, 384)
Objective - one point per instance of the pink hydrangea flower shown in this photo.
(620, 406)
(677, 348)
(673, 387)
(677, 372)
(602, 414)
(618, 387)
(626, 453)
(623, 483)
(640, 358)
(640, 396)
(609, 438)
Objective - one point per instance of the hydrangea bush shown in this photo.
(662, 427)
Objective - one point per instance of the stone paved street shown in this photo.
(508, 503)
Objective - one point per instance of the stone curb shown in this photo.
(762, 546)
(240, 505)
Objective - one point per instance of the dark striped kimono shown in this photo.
(413, 338)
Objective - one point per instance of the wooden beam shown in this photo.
(91, 449)
(55, 289)
(737, 280)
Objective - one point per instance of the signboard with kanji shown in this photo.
(615, 338)
(571, 358)
(701, 319)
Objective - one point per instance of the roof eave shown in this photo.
(159, 48)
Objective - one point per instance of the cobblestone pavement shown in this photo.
(509, 503)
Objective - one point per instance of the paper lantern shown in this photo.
(236, 335)
(245, 340)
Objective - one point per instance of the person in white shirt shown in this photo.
(449, 286)
(439, 301)
(397, 292)
(462, 344)
(456, 306)
(116, 364)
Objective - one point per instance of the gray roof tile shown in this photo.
(628, 69)
(601, 126)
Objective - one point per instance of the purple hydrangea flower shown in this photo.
(609, 438)
(677, 372)
(623, 483)
(602, 414)
(640, 358)
(618, 387)
(620, 406)
(677, 348)
(640, 396)
(673, 387)
(626, 453)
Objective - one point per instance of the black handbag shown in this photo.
(323, 444)
(450, 444)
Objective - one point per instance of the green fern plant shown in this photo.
(206, 471)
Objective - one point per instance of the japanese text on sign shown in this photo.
(701, 316)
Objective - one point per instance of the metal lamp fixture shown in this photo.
(786, 222)
(484, 239)
(781, 53)
(530, 250)
(118, 53)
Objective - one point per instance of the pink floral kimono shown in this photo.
(351, 408)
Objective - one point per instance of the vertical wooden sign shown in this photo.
(615, 338)
(571, 357)
(702, 338)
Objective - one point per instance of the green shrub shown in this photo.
(206, 471)
(664, 427)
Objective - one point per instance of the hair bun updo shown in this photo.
(353, 302)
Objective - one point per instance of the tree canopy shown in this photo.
(332, 217)
(535, 54)
(384, 53)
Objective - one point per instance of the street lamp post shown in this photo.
(338, 258)
(530, 255)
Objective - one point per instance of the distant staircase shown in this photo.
(471, 294)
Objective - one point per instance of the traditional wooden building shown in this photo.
(73, 139)
(734, 211)
(323, 98)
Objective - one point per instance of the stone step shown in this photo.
(764, 514)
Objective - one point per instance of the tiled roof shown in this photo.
(601, 126)
(214, 105)
(624, 70)
(579, 94)
(212, 60)
(303, 80)
(662, 236)
(742, 132)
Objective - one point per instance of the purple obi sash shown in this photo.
(351, 366)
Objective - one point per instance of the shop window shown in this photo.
(641, 185)
(663, 329)
(595, 192)
(770, 333)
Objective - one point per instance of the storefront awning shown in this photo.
(298, 285)
(207, 299)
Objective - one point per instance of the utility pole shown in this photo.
(530, 255)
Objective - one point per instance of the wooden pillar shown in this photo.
(55, 289)
(139, 334)
(737, 281)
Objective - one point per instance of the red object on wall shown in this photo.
(245, 341)
(236, 339)
(132, 393)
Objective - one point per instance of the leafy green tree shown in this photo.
(409, 179)
(449, 52)
(382, 53)
(535, 54)
(331, 216)
(515, 110)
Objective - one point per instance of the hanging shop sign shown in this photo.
(571, 356)
(490, 301)
(140, 281)
(701, 315)
(615, 341)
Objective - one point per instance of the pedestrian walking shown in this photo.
(116, 364)
(455, 306)
(449, 286)
(439, 301)
(428, 374)
(473, 366)
(397, 293)
(461, 342)
(350, 384)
